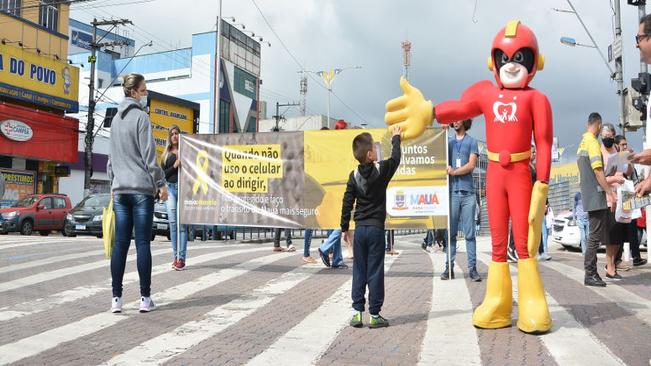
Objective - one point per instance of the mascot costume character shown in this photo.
(514, 113)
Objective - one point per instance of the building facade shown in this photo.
(185, 74)
(38, 88)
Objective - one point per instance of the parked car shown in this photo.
(565, 231)
(161, 222)
(38, 212)
(86, 217)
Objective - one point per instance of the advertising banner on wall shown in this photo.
(163, 114)
(32, 78)
(298, 179)
(17, 185)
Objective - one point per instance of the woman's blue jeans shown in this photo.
(172, 204)
(132, 211)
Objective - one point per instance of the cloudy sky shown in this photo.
(448, 54)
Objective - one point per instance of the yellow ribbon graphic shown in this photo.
(202, 163)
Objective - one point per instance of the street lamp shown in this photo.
(571, 42)
(616, 75)
(328, 77)
(568, 41)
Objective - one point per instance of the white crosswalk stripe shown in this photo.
(446, 335)
(451, 306)
(562, 342)
(4, 244)
(81, 292)
(334, 314)
(628, 300)
(51, 260)
(166, 346)
(36, 344)
(51, 275)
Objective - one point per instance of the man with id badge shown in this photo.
(462, 158)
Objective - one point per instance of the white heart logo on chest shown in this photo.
(505, 112)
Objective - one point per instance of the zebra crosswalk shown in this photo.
(241, 303)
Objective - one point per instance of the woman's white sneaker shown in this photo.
(116, 305)
(146, 304)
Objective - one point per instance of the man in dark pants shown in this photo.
(288, 239)
(593, 192)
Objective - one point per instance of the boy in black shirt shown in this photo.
(366, 190)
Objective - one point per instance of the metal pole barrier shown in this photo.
(447, 178)
(178, 201)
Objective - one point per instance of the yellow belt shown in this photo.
(492, 156)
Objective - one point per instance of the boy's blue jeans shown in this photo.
(368, 268)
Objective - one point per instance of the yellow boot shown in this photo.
(495, 311)
(533, 313)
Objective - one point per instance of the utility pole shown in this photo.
(619, 70)
(90, 125)
(278, 117)
(218, 62)
(303, 93)
(406, 61)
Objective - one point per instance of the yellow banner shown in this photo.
(417, 196)
(163, 115)
(38, 79)
(566, 171)
(298, 179)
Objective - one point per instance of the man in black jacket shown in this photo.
(366, 190)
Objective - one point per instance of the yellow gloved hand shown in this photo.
(536, 216)
(410, 111)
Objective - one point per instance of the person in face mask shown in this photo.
(136, 178)
(617, 230)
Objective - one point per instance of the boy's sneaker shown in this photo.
(146, 304)
(356, 321)
(116, 305)
(176, 261)
(377, 321)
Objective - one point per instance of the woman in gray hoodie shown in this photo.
(136, 178)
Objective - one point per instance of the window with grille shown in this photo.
(49, 14)
(11, 6)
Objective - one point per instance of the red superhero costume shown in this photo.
(514, 113)
(511, 115)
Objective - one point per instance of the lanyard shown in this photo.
(459, 145)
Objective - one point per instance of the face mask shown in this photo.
(143, 102)
(608, 142)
